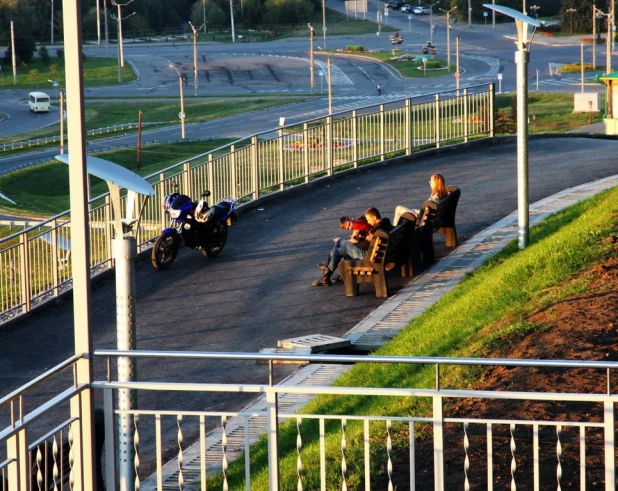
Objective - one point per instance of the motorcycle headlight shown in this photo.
(174, 213)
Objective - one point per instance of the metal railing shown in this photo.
(336, 449)
(20, 145)
(33, 262)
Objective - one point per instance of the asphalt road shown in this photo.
(259, 289)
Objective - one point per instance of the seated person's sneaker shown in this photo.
(337, 279)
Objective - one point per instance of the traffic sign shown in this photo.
(181, 115)
(324, 28)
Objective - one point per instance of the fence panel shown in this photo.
(248, 169)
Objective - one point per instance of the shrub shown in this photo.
(44, 55)
(433, 64)
(353, 47)
(60, 53)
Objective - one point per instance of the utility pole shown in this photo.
(457, 74)
(311, 67)
(469, 13)
(448, 37)
(194, 58)
(204, 12)
(594, 37)
(98, 25)
(324, 21)
(52, 22)
(330, 91)
(181, 114)
(232, 20)
(120, 51)
(14, 57)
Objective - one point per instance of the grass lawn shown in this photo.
(35, 75)
(512, 285)
(102, 114)
(409, 68)
(44, 189)
(548, 112)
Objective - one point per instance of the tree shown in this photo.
(44, 55)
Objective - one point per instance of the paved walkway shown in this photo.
(377, 328)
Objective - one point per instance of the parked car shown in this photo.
(406, 8)
(422, 10)
(395, 5)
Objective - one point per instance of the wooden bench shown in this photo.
(441, 216)
(385, 250)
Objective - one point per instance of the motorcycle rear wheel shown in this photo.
(164, 251)
(218, 240)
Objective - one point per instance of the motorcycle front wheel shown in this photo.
(164, 251)
(217, 241)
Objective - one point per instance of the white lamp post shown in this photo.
(194, 58)
(120, 51)
(52, 23)
(181, 114)
(124, 247)
(448, 37)
(431, 21)
(522, 57)
(311, 67)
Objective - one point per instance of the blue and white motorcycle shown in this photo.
(195, 225)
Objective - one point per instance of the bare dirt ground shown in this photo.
(581, 327)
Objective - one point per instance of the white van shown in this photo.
(38, 102)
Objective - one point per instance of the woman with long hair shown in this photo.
(438, 192)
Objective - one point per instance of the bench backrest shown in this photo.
(441, 214)
(386, 247)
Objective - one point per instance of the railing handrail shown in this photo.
(322, 358)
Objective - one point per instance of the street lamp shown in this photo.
(120, 19)
(311, 67)
(60, 98)
(431, 21)
(181, 114)
(522, 57)
(52, 22)
(596, 15)
(232, 21)
(448, 37)
(534, 9)
(570, 12)
(194, 57)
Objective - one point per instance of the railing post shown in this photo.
(382, 131)
(492, 110)
(272, 410)
(211, 173)
(354, 137)
(437, 121)
(233, 173)
(111, 440)
(609, 431)
(408, 123)
(164, 193)
(438, 442)
(54, 258)
(306, 151)
(465, 115)
(329, 144)
(281, 169)
(24, 267)
(18, 471)
(255, 167)
(186, 179)
(108, 229)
